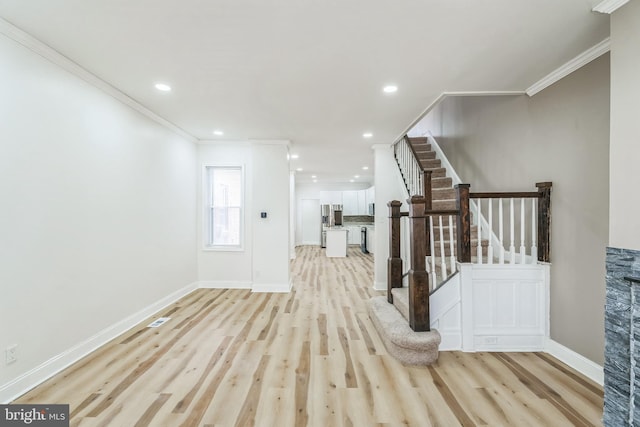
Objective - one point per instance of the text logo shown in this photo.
(34, 415)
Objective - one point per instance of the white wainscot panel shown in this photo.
(509, 308)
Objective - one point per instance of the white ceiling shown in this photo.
(310, 71)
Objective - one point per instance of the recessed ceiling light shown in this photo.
(364, 168)
(350, 180)
(313, 176)
(218, 132)
(163, 87)
(367, 135)
(356, 176)
(299, 169)
(294, 156)
(390, 89)
(315, 180)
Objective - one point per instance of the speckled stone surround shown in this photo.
(622, 340)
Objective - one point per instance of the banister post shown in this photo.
(544, 221)
(463, 222)
(428, 205)
(426, 182)
(394, 263)
(418, 276)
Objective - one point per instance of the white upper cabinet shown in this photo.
(331, 198)
(350, 203)
(354, 202)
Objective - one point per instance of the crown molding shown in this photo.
(609, 6)
(52, 55)
(579, 61)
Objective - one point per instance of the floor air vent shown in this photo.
(158, 322)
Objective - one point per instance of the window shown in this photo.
(223, 201)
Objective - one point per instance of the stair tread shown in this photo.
(410, 347)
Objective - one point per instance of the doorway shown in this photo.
(311, 226)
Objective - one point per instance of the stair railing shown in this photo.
(420, 285)
(416, 179)
(532, 216)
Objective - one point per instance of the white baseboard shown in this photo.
(577, 361)
(451, 340)
(224, 284)
(380, 286)
(46, 370)
(272, 287)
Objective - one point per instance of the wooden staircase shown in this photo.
(441, 238)
(443, 197)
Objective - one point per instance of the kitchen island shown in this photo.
(336, 242)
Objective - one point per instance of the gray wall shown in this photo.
(559, 135)
(625, 127)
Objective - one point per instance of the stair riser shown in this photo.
(441, 183)
(443, 193)
(431, 164)
(426, 155)
(438, 173)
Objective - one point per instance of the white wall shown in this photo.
(98, 210)
(509, 143)
(389, 186)
(624, 226)
(271, 235)
(263, 262)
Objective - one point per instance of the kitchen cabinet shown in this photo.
(354, 234)
(336, 243)
(363, 207)
(354, 202)
(370, 197)
(331, 198)
(350, 203)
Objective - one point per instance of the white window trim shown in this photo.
(205, 210)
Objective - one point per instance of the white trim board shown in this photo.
(577, 361)
(609, 6)
(579, 61)
(224, 284)
(35, 45)
(272, 287)
(380, 286)
(49, 368)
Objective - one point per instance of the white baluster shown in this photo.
(432, 239)
(512, 247)
(452, 245)
(443, 255)
(522, 227)
(500, 232)
(479, 221)
(534, 236)
(490, 234)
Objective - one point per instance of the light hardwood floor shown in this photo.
(310, 357)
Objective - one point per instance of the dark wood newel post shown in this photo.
(544, 221)
(418, 276)
(428, 205)
(463, 222)
(394, 263)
